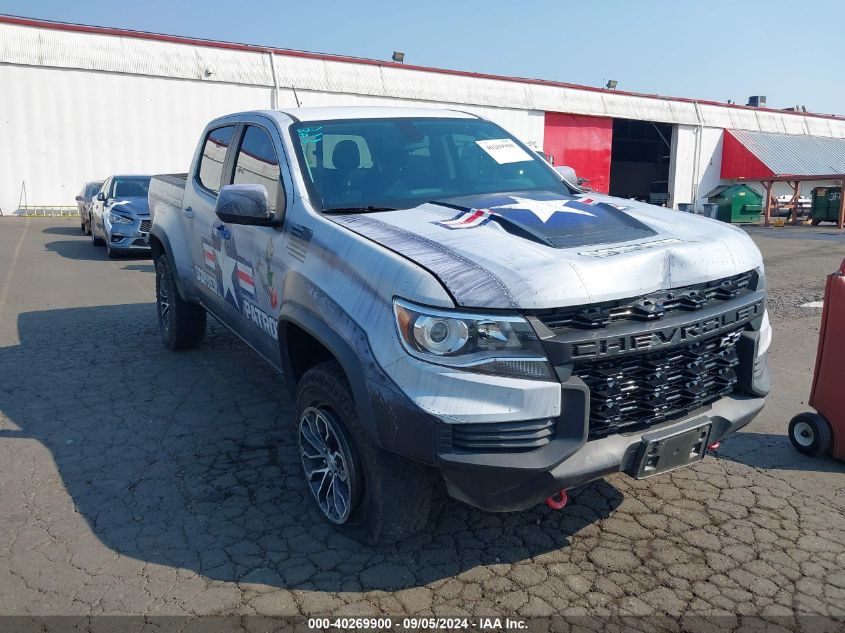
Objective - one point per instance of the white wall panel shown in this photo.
(63, 127)
(682, 164)
(710, 161)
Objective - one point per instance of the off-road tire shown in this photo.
(182, 325)
(810, 434)
(394, 495)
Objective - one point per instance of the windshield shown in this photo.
(400, 163)
(131, 187)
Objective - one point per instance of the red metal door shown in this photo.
(583, 143)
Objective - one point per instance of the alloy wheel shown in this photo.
(328, 465)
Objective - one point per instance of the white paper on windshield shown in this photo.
(504, 150)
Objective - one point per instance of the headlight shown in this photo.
(116, 218)
(494, 344)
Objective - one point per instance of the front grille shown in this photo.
(146, 225)
(649, 307)
(501, 436)
(629, 393)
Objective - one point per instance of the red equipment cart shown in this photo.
(818, 433)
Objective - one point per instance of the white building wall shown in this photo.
(60, 128)
(78, 106)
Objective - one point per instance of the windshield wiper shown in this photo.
(364, 209)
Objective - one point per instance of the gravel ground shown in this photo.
(137, 481)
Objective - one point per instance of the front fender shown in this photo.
(383, 410)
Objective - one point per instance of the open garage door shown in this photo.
(639, 161)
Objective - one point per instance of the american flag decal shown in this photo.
(208, 255)
(245, 278)
(466, 219)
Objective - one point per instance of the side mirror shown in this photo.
(568, 174)
(244, 204)
(101, 196)
(80, 199)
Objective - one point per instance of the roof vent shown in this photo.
(757, 101)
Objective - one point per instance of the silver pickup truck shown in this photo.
(442, 304)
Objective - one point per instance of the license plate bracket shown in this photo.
(662, 453)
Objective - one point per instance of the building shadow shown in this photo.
(190, 460)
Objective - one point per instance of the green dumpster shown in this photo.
(825, 205)
(736, 204)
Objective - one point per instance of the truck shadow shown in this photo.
(190, 460)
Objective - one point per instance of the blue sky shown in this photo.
(791, 52)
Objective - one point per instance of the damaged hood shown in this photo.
(131, 206)
(536, 250)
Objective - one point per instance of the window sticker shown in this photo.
(504, 150)
(310, 134)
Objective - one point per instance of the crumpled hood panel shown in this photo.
(131, 206)
(542, 250)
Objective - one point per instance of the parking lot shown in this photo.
(134, 480)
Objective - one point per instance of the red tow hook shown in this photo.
(558, 500)
(713, 446)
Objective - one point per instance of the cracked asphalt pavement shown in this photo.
(134, 480)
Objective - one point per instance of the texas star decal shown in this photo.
(236, 275)
(545, 209)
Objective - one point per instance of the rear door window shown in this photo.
(210, 169)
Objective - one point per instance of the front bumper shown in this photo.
(128, 237)
(518, 481)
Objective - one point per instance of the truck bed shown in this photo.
(166, 192)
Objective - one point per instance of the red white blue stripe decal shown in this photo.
(245, 278)
(467, 219)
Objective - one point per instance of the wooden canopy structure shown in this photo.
(770, 157)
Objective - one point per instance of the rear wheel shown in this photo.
(365, 492)
(181, 323)
(810, 434)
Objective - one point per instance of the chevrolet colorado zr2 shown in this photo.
(442, 304)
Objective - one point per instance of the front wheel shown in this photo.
(95, 241)
(810, 434)
(366, 493)
(181, 323)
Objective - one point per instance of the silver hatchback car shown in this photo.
(120, 215)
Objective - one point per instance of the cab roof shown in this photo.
(368, 112)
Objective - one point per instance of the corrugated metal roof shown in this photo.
(795, 154)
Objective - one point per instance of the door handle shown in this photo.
(222, 231)
(189, 212)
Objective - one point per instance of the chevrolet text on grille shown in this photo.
(664, 337)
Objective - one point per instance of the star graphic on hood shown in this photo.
(227, 268)
(543, 209)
